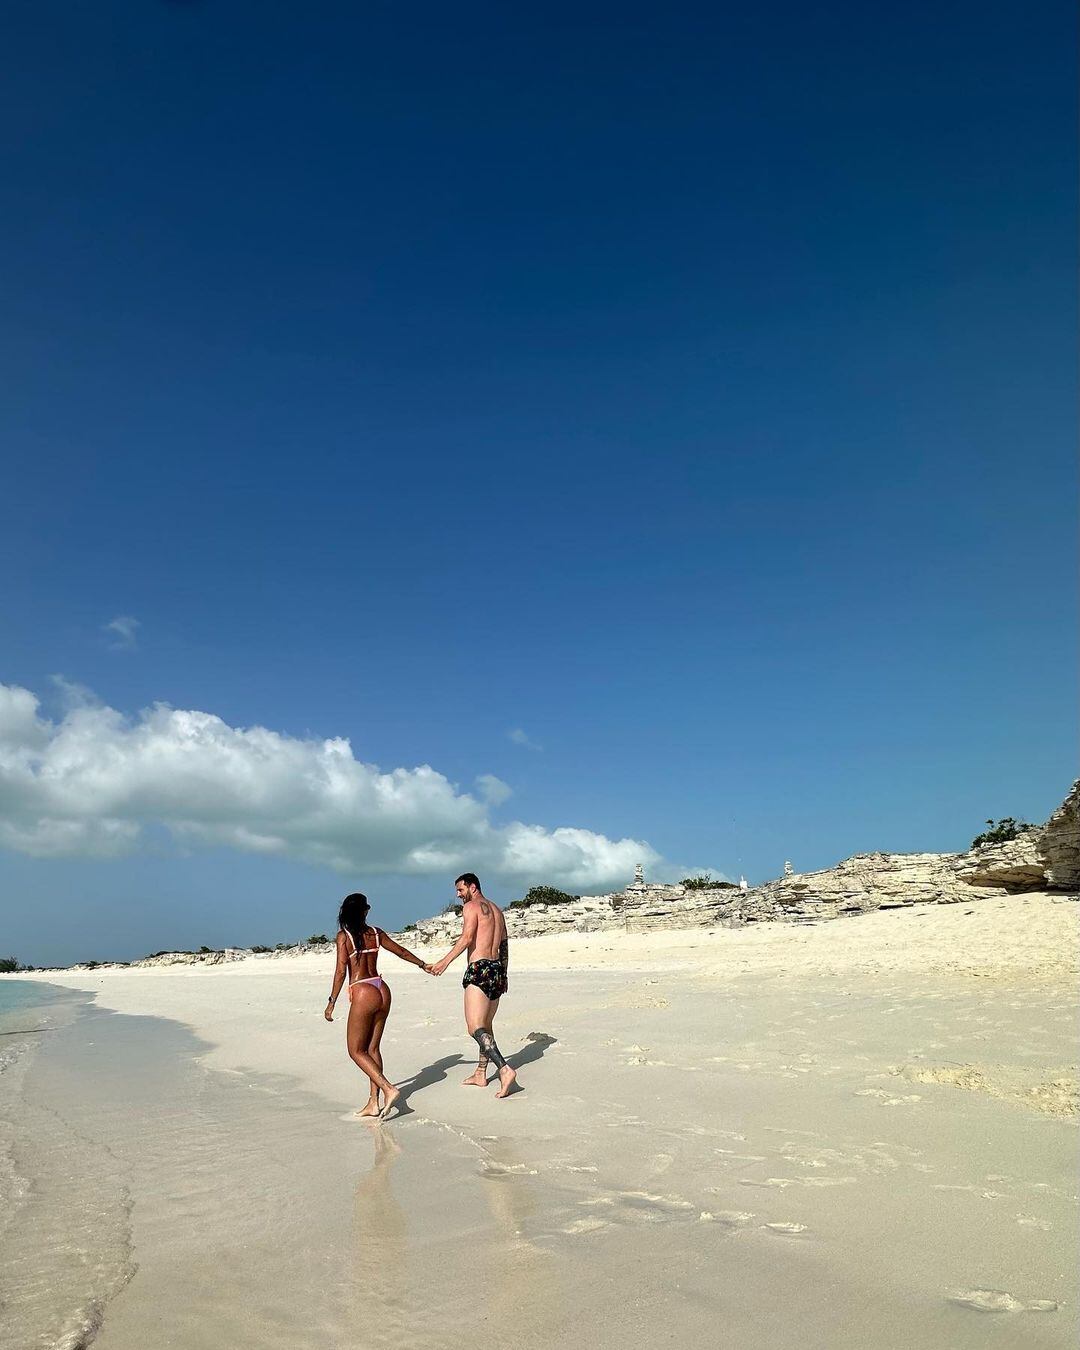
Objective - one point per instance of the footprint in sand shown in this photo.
(999, 1301)
(1030, 1221)
(733, 1218)
(642, 1205)
(633, 1207)
(779, 1183)
(587, 1225)
(886, 1098)
(786, 1229)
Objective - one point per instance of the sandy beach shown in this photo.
(858, 1133)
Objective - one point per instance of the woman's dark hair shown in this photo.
(352, 916)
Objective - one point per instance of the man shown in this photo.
(483, 932)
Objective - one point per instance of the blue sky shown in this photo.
(690, 391)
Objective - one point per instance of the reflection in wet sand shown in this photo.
(379, 1230)
(429, 1288)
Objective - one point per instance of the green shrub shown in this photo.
(542, 895)
(1002, 831)
(318, 940)
(262, 949)
(707, 882)
(9, 964)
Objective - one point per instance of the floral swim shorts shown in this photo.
(489, 976)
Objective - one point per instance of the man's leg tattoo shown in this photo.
(488, 1049)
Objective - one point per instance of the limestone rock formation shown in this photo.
(1018, 864)
(1037, 859)
(1060, 844)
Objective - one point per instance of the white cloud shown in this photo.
(122, 632)
(90, 783)
(493, 790)
(518, 737)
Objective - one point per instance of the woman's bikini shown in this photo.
(356, 954)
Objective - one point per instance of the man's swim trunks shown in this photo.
(489, 976)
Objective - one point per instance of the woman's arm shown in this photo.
(341, 968)
(399, 950)
(467, 938)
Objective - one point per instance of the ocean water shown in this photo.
(31, 997)
(31, 1014)
(145, 1197)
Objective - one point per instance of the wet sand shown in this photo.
(856, 1134)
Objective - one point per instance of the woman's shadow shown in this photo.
(424, 1078)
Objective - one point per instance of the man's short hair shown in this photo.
(470, 879)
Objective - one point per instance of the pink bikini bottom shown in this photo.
(376, 980)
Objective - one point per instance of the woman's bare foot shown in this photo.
(478, 1078)
(507, 1079)
(372, 1108)
(388, 1104)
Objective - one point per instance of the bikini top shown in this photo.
(361, 951)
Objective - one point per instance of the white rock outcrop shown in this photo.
(1046, 858)
(1060, 844)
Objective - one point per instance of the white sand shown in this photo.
(859, 1133)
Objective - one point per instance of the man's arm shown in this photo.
(467, 938)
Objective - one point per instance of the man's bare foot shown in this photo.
(507, 1079)
(388, 1104)
(372, 1108)
(478, 1078)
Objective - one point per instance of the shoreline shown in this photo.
(1040, 943)
(855, 1142)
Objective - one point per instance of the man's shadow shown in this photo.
(536, 1044)
(425, 1078)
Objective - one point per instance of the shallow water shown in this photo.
(767, 1167)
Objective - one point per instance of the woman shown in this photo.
(369, 997)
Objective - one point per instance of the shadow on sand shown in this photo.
(434, 1073)
(536, 1043)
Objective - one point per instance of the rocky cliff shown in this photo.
(1046, 858)
(1061, 844)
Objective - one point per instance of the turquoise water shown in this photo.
(28, 995)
